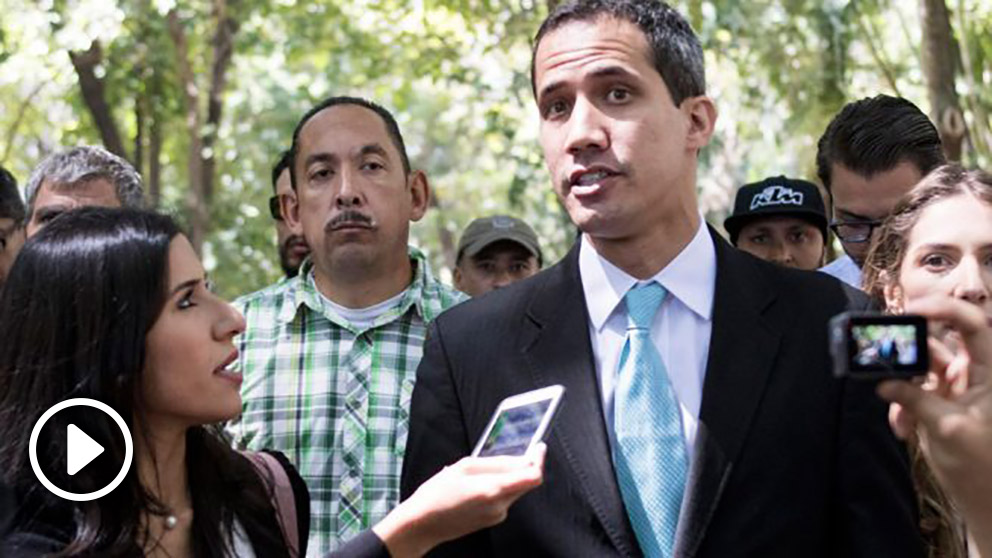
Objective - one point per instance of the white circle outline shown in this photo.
(33, 450)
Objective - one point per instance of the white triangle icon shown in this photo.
(82, 449)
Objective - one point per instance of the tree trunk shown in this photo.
(940, 64)
(21, 112)
(195, 201)
(444, 234)
(155, 161)
(139, 134)
(223, 50)
(203, 131)
(85, 63)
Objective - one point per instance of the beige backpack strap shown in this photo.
(283, 499)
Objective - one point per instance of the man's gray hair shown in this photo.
(84, 163)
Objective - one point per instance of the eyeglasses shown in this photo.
(275, 208)
(854, 231)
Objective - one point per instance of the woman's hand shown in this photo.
(472, 494)
(952, 412)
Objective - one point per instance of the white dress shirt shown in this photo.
(680, 331)
(844, 269)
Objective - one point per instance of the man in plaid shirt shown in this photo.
(329, 357)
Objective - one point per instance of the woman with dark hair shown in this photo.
(935, 249)
(113, 305)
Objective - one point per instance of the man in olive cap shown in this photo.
(494, 252)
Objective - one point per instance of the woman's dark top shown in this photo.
(41, 529)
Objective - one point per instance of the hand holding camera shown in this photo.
(952, 413)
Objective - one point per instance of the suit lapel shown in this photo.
(743, 346)
(556, 345)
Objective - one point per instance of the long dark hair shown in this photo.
(74, 314)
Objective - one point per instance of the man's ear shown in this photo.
(894, 300)
(289, 205)
(420, 194)
(701, 114)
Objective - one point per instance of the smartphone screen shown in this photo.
(514, 429)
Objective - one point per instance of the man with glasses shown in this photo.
(872, 153)
(293, 248)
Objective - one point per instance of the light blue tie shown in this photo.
(649, 453)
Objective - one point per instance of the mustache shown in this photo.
(348, 217)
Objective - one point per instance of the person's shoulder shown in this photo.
(814, 288)
(267, 298)
(295, 494)
(270, 292)
(506, 303)
(440, 295)
(30, 545)
(40, 528)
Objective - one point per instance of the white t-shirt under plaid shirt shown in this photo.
(335, 398)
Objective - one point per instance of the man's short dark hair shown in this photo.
(11, 204)
(392, 128)
(675, 49)
(875, 135)
(284, 162)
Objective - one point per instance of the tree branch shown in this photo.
(94, 96)
(223, 51)
(939, 70)
(191, 99)
(876, 52)
(22, 110)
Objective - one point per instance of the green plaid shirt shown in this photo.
(300, 360)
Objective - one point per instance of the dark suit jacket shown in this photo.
(789, 461)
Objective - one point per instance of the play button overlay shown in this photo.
(70, 449)
(82, 449)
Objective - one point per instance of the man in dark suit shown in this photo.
(700, 416)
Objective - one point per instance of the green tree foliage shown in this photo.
(456, 74)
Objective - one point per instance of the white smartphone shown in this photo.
(519, 422)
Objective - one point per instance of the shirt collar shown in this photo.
(302, 291)
(690, 277)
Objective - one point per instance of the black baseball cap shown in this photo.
(791, 197)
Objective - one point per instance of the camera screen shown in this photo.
(886, 346)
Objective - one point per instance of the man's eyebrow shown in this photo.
(853, 216)
(611, 71)
(599, 73)
(550, 88)
(759, 227)
(319, 158)
(373, 149)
